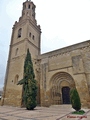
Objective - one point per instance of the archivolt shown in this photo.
(56, 85)
(59, 77)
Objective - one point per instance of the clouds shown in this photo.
(13, 9)
(2, 67)
(66, 20)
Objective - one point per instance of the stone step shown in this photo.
(62, 106)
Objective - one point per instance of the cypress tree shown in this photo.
(29, 83)
(75, 99)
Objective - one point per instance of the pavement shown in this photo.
(55, 112)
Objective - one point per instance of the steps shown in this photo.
(61, 106)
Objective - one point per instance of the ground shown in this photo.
(57, 112)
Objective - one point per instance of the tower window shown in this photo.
(24, 7)
(29, 34)
(33, 37)
(16, 52)
(32, 8)
(19, 32)
(28, 6)
(16, 79)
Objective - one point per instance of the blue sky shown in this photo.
(63, 23)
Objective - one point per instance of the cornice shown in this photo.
(22, 41)
(66, 50)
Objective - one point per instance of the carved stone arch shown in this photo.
(57, 82)
(19, 32)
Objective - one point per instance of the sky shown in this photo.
(63, 23)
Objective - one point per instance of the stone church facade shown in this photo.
(56, 72)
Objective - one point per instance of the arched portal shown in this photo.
(60, 85)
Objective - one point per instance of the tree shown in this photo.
(29, 83)
(75, 99)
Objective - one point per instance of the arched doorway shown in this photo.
(60, 85)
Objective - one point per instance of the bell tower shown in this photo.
(25, 34)
(29, 10)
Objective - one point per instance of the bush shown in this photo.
(80, 112)
(29, 84)
(75, 99)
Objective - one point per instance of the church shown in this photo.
(56, 72)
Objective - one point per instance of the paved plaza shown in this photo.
(57, 112)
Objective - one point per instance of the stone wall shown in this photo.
(13, 97)
(74, 61)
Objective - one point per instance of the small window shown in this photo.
(28, 6)
(19, 32)
(33, 37)
(16, 79)
(24, 7)
(16, 52)
(29, 34)
(33, 8)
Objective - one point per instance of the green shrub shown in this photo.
(29, 84)
(80, 112)
(75, 99)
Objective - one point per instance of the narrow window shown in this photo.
(33, 8)
(24, 7)
(16, 79)
(19, 32)
(28, 6)
(16, 52)
(33, 37)
(29, 34)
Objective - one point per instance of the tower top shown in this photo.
(28, 13)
